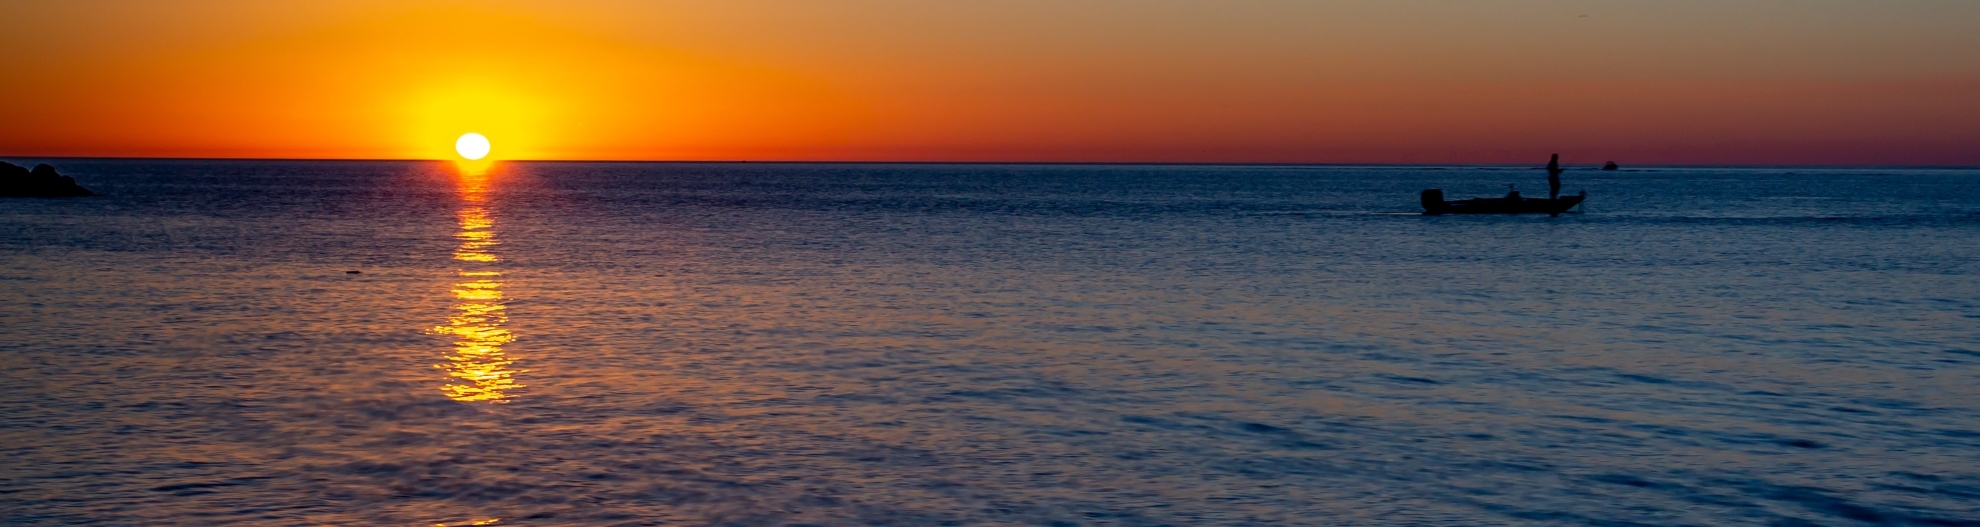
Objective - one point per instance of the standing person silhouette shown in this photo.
(1554, 177)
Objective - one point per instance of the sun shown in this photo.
(472, 146)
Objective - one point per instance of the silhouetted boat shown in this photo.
(1512, 203)
(1434, 204)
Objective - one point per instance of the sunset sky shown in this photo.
(1391, 81)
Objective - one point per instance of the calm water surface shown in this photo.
(745, 344)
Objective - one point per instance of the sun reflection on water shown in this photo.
(478, 369)
(469, 523)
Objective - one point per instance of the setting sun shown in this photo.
(472, 146)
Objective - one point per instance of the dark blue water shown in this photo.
(788, 344)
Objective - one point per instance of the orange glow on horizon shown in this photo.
(473, 168)
(1159, 80)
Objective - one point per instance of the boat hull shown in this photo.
(1434, 204)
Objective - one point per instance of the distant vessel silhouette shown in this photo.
(1552, 205)
(1610, 166)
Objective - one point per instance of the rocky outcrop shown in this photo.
(42, 182)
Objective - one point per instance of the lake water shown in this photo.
(845, 344)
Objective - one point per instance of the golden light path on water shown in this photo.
(478, 369)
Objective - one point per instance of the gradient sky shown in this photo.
(1892, 82)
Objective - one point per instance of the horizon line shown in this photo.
(956, 162)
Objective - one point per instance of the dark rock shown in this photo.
(42, 182)
(1610, 166)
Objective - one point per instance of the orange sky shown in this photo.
(1751, 82)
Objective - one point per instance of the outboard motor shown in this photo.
(1433, 202)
